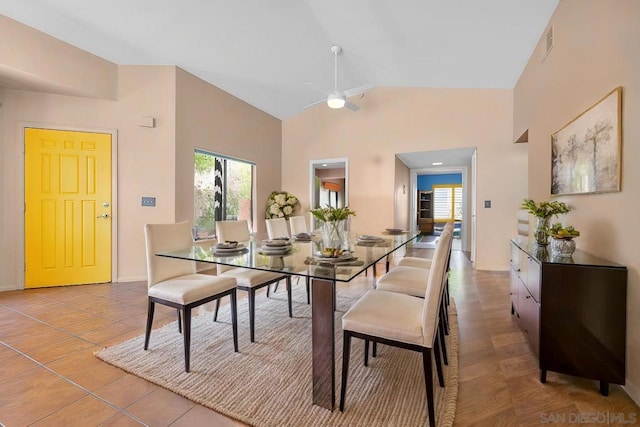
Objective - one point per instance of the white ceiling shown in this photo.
(263, 51)
(453, 158)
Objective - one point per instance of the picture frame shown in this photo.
(586, 153)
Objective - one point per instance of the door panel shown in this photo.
(67, 195)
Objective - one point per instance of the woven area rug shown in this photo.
(268, 383)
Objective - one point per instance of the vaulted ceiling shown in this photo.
(263, 51)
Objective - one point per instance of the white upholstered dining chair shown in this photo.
(298, 224)
(277, 228)
(422, 262)
(175, 283)
(247, 279)
(399, 320)
(411, 281)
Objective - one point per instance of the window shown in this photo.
(223, 189)
(330, 194)
(447, 202)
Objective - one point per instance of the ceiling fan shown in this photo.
(337, 98)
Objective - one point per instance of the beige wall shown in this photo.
(145, 157)
(398, 120)
(52, 65)
(213, 120)
(154, 161)
(595, 50)
(401, 201)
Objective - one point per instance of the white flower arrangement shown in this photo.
(281, 205)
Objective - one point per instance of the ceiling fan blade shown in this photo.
(318, 88)
(358, 90)
(314, 104)
(351, 106)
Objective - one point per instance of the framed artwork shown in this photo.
(586, 154)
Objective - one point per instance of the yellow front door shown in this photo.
(67, 207)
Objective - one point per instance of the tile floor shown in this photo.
(49, 376)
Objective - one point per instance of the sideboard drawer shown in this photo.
(533, 279)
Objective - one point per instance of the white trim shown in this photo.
(466, 211)
(114, 193)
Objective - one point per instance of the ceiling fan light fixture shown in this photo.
(336, 101)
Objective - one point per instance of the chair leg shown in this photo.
(234, 319)
(428, 380)
(215, 312)
(252, 314)
(346, 351)
(366, 352)
(289, 296)
(187, 338)
(179, 321)
(308, 291)
(443, 344)
(147, 334)
(436, 352)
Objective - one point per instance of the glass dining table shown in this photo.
(305, 259)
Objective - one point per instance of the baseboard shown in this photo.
(633, 391)
(132, 279)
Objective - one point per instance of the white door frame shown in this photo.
(114, 193)
(466, 187)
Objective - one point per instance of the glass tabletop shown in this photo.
(301, 258)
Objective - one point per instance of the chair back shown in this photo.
(277, 227)
(298, 224)
(165, 237)
(433, 294)
(237, 231)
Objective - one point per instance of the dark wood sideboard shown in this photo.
(573, 311)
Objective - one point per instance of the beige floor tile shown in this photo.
(199, 416)
(121, 420)
(34, 395)
(160, 408)
(87, 411)
(126, 391)
(75, 362)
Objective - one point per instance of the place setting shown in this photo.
(303, 237)
(280, 246)
(228, 248)
(394, 231)
(369, 240)
(333, 257)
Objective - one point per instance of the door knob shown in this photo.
(104, 215)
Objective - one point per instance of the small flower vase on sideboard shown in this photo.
(563, 247)
(540, 233)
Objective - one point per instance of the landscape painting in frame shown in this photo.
(586, 153)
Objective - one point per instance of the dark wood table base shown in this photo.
(323, 342)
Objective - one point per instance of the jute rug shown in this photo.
(268, 383)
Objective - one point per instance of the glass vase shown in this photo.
(540, 232)
(333, 234)
(562, 247)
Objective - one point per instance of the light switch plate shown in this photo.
(148, 201)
